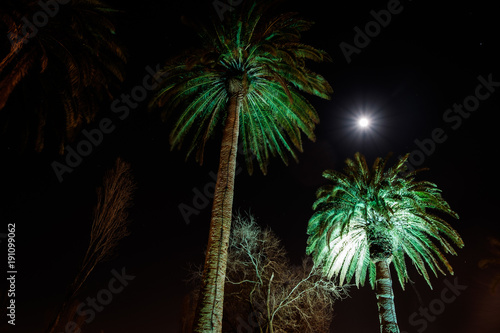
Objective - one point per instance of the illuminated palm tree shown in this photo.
(62, 63)
(370, 218)
(246, 78)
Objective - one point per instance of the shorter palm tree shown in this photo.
(370, 218)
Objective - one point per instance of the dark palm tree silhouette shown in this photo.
(55, 76)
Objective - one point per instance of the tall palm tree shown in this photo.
(55, 72)
(370, 218)
(247, 78)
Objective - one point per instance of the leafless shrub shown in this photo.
(264, 292)
(109, 226)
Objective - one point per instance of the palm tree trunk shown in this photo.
(208, 316)
(385, 298)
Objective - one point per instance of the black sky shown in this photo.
(427, 58)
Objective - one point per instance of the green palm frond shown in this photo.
(267, 56)
(373, 214)
(54, 81)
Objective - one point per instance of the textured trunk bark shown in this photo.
(208, 317)
(385, 298)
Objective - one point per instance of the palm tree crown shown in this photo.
(54, 76)
(266, 58)
(369, 215)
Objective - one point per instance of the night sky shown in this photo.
(425, 60)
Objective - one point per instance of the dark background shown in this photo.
(424, 61)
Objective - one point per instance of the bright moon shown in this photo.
(363, 122)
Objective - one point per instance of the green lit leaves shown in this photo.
(379, 214)
(267, 57)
